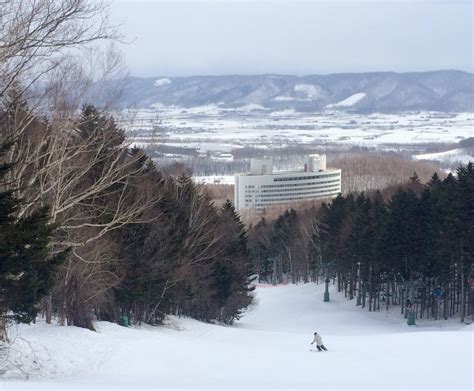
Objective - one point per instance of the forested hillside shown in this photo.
(409, 246)
(90, 228)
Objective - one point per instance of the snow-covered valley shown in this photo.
(210, 128)
(267, 349)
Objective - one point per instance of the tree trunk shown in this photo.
(471, 302)
(3, 328)
(463, 294)
(387, 298)
(351, 282)
(47, 308)
(364, 295)
(274, 272)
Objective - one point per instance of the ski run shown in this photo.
(268, 349)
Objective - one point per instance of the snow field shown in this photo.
(452, 156)
(214, 125)
(349, 101)
(214, 179)
(267, 349)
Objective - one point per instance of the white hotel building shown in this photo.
(261, 187)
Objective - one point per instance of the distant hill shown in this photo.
(449, 91)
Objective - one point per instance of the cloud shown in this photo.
(299, 37)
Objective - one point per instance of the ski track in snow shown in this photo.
(267, 349)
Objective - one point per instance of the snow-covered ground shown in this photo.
(215, 179)
(220, 126)
(267, 349)
(350, 101)
(459, 155)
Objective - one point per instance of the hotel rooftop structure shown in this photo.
(262, 187)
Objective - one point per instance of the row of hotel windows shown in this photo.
(267, 202)
(332, 189)
(307, 191)
(286, 186)
(297, 178)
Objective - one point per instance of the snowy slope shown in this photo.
(350, 101)
(459, 155)
(268, 349)
(162, 82)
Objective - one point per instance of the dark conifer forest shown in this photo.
(92, 230)
(411, 246)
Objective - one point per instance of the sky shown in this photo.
(218, 37)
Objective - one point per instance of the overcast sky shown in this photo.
(216, 37)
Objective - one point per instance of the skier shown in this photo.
(319, 342)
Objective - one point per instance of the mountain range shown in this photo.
(445, 90)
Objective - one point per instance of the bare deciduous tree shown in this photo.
(36, 35)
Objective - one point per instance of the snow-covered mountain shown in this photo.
(363, 92)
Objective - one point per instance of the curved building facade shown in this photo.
(262, 188)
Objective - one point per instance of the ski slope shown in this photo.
(267, 349)
(459, 155)
(349, 101)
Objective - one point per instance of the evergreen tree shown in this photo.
(465, 212)
(335, 229)
(423, 234)
(313, 250)
(283, 241)
(465, 208)
(233, 271)
(26, 266)
(401, 241)
(260, 250)
(151, 254)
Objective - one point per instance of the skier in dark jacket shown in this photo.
(319, 342)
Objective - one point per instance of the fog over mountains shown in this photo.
(450, 91)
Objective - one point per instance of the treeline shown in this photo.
(119, 238)
(413, 248)
(371, 171)
(206, 166)
(133, 241)
(89, 228)
(284, 250)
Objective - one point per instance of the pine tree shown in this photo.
(260, 250)
(283, 244)
(26, 266)
(233, 271)
(401, 242)
(334, 227)
(464, 222)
